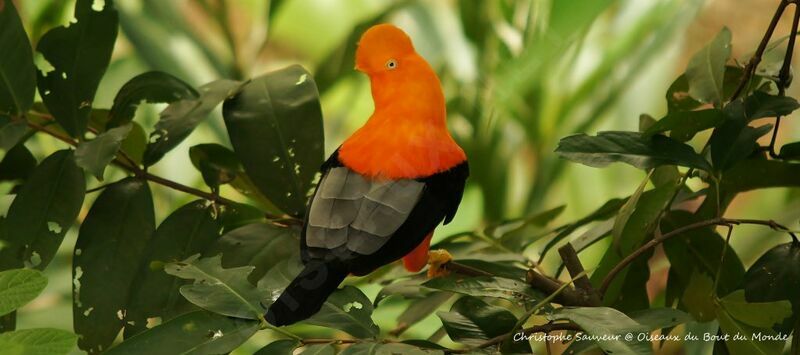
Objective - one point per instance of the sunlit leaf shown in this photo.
(80, 55)
(111, 242)
(775, 276)
(17, 71)
(18, 287)
(275, 126)
(706, 70)
(42, 341)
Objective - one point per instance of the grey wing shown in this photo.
(357, 213)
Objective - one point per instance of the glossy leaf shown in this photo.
(603, 321)
(706, 70)
(348, 310)
(150, 87)
(217, 164)
(486, 286)
(630, 148)
(17, 72)
(261, 245)
(187, 231)
(80, 55)
(18, 287)
(275, 126)
(775, 276)
(279, 347)
(216, 289)
(42, 341)
(110, 245)
(44, 209)
(180, 118)
(683, 125)
(94, 155)
(197, 332)
(472, 321)
(17, 164)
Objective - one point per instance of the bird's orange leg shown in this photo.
(417, 258)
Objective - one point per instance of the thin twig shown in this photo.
(784, 79)
(576, 271)
(660, 239)
(722, 258)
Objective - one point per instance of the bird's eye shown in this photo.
(391, 64)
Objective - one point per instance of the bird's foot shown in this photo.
(437, 259)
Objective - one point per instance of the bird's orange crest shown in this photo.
(406, 136)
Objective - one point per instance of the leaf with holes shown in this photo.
(80, 55)
(44, 209)
(17, 71)
(150, 87)
(275, 126)
(261, 245)
(94, 155)
(348, 310)
(111, 242)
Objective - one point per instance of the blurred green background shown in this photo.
(518, 75)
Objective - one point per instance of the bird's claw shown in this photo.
(437, 259)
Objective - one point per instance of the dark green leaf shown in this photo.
(319, 349)
(222, 291)
(42, 341)
(135, 143)
(43, 211)
(603, 321)
(472, 321)
(192, 333)
(733, 142)
(747, 343)
(698, 297)
(706, 70)
(94, 155)
(237, 215)
(18, 74)
(348, 310)
(17, 164)
(18, 287)
(659, 318)
(486, 286)
(757, 314)
(683, 125)
(631, 148)
(151, 87)
(275, 126)
(180, 118)
(678, 98)
(404, 348)
(421, 308)
(217, 164)
(506, 269)
(187, 231)
(775, 276)
(110, 245)
(791, 151)
(80, 55)
(261, 245)
(279, 347)
(11, 132)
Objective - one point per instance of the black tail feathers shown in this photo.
(306, 294)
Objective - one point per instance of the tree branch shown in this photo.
(575, 268)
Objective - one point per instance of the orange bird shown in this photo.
(387, 187)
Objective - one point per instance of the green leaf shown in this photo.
(348, 310)
(261, 245)
(187, 231)
(790, 151)
(110, 245)
(319, 349)
(18, 287)
(17, 164)
(706, 70)
(275, 126)
(757, 314)
(733, 142)
(44, 209)
(372, 348)
(747, 344)
(678, 98)
(11, 132)
(219, 290)
(279, 347)
(472, 321)
(17, 71)
(631, 148)
(621, 220)
(775, 276)
(180, 118)
(683, 125)
(41, 341)
(659, 318)
(134, 144)
(80, 55)
(603, 321)
(486, 286)
(197, 332)
(94, 155)
(699, 297)
(421, 308)
(217, 164)
(150, 87)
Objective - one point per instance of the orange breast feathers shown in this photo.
(406, 136)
